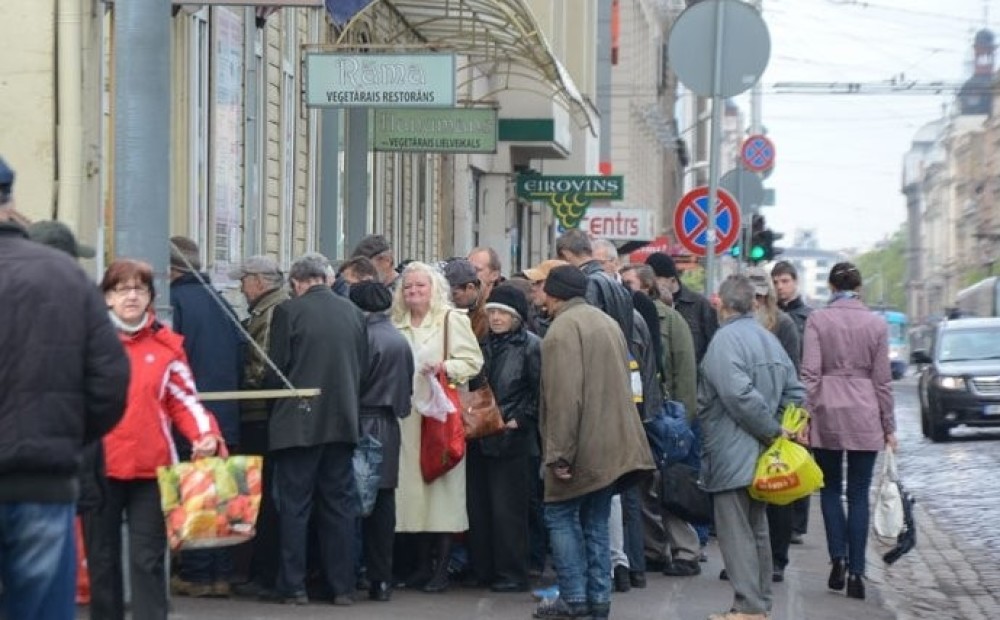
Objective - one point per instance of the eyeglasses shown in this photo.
(138, 289)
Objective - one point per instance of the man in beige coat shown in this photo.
(591, 436)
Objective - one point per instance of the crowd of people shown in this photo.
(578, 352)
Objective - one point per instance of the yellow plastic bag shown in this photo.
(210, 502)
(786, 471)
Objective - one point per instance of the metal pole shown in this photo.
(714, 149)
(142, 138)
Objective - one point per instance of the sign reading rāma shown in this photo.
(569, 196)
(335, 80)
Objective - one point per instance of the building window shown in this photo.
(289, 111)
(199, 102)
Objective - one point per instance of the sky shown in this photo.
(839, 157)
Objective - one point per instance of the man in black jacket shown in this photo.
(701, 317)
(214, 347)
(318, 340)
(65, 379)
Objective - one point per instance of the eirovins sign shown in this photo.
(569, 196)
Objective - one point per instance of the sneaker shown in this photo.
(778, 575)
(542, 594)
(682, 568)
(343, 600)
(180, 587)
(558, 609)
(621, 580)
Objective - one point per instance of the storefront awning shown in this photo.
(501, 37)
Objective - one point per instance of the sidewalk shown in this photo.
(803, 596)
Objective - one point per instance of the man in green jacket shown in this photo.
(591, 437)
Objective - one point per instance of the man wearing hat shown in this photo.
(701, 317)
(65, 380)
(591, 440)
(385, 398)
(537, 275)
(376, 248)
(214, 347)
(262, 284)
(467, 294)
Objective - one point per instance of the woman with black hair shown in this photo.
(845, 369)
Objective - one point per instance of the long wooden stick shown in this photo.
(258, 394)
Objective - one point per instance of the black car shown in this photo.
(960, 377)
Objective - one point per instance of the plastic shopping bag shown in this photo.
(442, 443)
(210, 502)
(439, 403)
(887, 514)
(786, 471)
(367, 463)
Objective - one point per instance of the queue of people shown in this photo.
(578, 351)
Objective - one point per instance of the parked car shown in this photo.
(960, 377)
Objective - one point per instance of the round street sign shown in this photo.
(745, 47)
(691, 221)
(757, 153)
(746, 188)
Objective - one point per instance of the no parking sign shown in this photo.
(691, 221)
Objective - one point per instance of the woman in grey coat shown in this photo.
(845, 368)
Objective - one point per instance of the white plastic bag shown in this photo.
(437, 405)
(887, 515)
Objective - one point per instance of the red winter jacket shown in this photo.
(161, 393)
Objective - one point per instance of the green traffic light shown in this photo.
(756, 252)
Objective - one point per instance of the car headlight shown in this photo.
(951, 383)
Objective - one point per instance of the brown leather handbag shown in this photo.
(481, 415)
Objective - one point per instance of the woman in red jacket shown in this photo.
(161, 395)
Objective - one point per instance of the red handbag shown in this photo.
(442, 444)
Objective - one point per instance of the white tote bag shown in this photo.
(887, 515)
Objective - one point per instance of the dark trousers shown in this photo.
(634, 537)
(538, 536)
(846, 534)
(139, 500)
(779, 524)
(265, 544)
(800, 523)
(323, 474)
(498, 499)
(378, 534)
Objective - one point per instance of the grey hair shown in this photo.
(737, 294)
(576, 242)
(272, 279)
(309, 267)
(607, 248)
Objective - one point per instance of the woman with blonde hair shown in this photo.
(422, 312)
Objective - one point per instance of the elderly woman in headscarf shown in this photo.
(385, 399)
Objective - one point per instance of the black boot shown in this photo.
(439, 580)
(600, 611)
(838, 573)
(419, 578)
(855, 587)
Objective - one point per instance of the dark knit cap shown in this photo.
(566, 282)
(663, 266)
(371, 296)
(508, 298)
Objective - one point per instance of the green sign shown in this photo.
(458, 130)
(336, 80)
(569, 196)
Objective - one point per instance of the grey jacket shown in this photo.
(746, 379)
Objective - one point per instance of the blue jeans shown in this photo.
(578, 533)
(846, 535)
(37, 561)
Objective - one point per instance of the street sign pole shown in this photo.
(715, 148)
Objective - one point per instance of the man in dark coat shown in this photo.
(214, 347)
(65, 379)
(385, 398)
(694, 307)
(318, 340)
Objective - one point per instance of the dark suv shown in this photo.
(960, 377)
